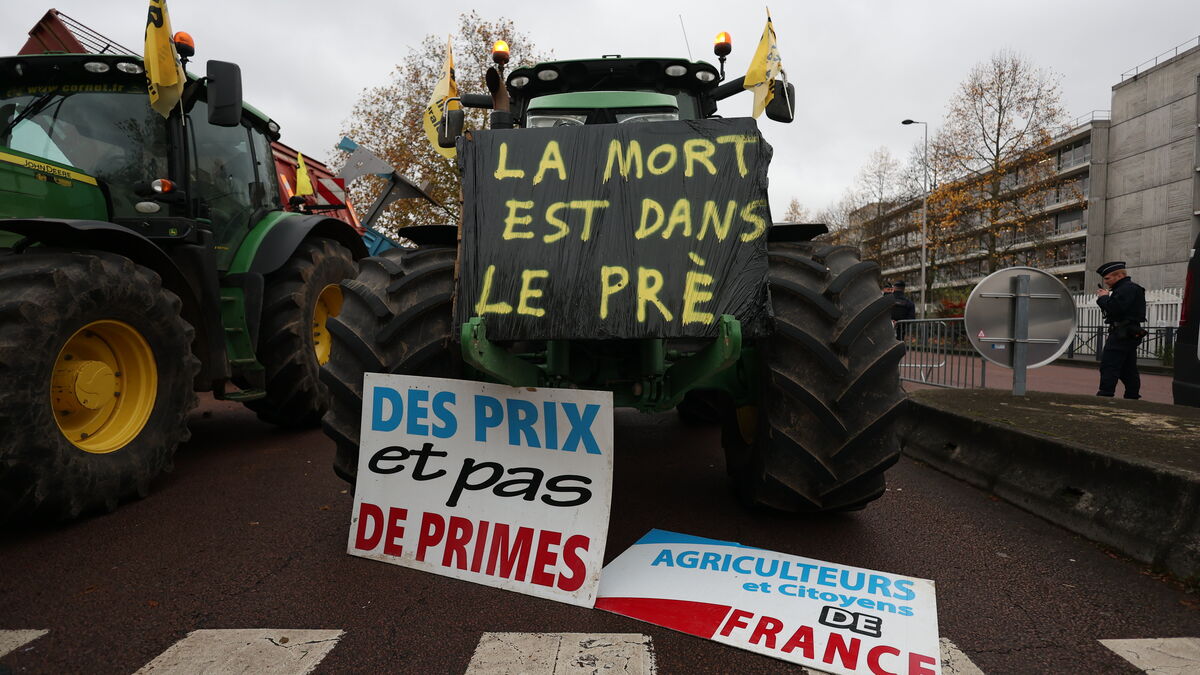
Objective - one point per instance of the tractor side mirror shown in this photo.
(451, 127)
(224, 94)
(782, 107)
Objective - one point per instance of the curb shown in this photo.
(1148, 512)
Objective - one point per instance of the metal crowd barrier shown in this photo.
(1158, 346)
(939, 354)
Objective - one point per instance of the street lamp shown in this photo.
(924, 207)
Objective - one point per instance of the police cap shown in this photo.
(1110, 267)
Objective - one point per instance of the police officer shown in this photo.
(902, 308)
(1124, 308)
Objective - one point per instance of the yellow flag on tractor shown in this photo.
(764, 68)
(445, 89)
(303, 182)
(162, 63)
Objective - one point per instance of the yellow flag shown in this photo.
(162, 65)
(764, 68)
(303, 184)
(446, 88)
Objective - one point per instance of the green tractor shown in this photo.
(142, 260)
(648, 266)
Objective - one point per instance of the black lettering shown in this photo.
(423, 456)
(392, 453)
(525, 488)
(555, 484)
(155, 17)
(463, 482)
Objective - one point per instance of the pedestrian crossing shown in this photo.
(298, 652)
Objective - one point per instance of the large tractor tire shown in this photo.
(96, 376)
(293, 338)
(823, 432)
(396, 318)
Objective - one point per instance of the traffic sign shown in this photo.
(1020, 317)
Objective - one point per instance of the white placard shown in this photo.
(502, 486)
(835, 618)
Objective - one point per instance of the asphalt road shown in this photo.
(250, 531)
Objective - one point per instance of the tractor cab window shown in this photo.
(635, 117)
(104, 130)
(575, 118)
(225, 188)
(556, 119)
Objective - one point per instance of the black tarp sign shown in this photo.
(615, 231)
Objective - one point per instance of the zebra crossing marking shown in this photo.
(297, 652)
(12, 640)
(259, 651)
(562, 654)
(1160, 656)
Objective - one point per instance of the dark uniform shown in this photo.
(1124, 311)
(902, 309)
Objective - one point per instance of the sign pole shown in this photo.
(1020, 353)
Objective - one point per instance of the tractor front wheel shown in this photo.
(98, 372)
(823, 432)
(396, 319)
(293, 340)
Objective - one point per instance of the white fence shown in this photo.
(1162, 308)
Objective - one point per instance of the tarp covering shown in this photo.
(615, 230)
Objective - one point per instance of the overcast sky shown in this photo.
(859, 67)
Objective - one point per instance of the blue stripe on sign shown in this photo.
(664, 537)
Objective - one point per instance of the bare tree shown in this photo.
(879, 180)
(387, 119)
(837, 217)
(994, 144)
(877, 188)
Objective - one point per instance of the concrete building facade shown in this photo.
(1152, 199)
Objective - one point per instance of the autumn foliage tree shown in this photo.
(796, 213)
(994, 143)
(387, 119)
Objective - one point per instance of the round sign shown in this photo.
(991, 310)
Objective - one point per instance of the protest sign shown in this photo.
(615, 230)
(504, 486)
(835, 618)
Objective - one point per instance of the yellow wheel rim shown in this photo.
(747, 421)
(329, 303)
(103, 386)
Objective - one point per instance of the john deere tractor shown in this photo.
(616, 236)
(144, 259)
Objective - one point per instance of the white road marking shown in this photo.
(259, 651)
(1160, 656)
(562, 653)
(954, 662)
(12, 640)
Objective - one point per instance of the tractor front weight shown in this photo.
(663, 378)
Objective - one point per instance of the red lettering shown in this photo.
(802, 638)
(917, 663)
(873, 659)
(545, 558)
(373, 515)
(507, 557)
(480, 546)
(433, 527)
(395, 531)
(574, 563)
(456, 542)
(846, 653)
(737, 619)
(768, 628)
